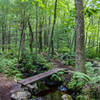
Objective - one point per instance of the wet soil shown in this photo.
(5, 88)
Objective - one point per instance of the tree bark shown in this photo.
(40, 35)
(97, 49)
(22, 38)
(45, 34)
(31, 37)
(52, 32)
(21, 41)
(80, 58)
(16, 38)
(9, 35)
(3, 37)
(36, 30)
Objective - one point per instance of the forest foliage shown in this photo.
(35, 32)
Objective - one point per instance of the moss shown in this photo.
(66, 97)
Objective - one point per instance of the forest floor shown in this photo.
(5, 88)
(6, 85)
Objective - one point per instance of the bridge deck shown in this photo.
(39, 76)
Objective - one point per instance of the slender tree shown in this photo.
(98, 35)
(3, 33)
(36, 29)
(31, 37)
(52, 32)
(40, 35)
(80, 58)
(9, 35)
(45, 33)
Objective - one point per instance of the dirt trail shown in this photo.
(59, 64)
(5, 88)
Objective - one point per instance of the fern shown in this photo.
(78, 80)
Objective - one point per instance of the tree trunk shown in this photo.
(21, 42)
(36, 29)
(16, 38)
(3, 37)
(31, 37)
(9, 34)
(52, 32)
(86, 34)
(80, 58)
(45, 34)
(22, 39)
(97, 49)
(49, 25)
(40, 36)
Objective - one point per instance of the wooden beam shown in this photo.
(39, 76)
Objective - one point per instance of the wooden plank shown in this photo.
(39, 76)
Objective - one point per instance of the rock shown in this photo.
(16, 87)
(96, 69)
(32, 87)
(66, 97)
(96, 63)
(62, 88)
(22, 95)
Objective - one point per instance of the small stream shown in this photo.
(50, 90)
(51, 96)
(53, 93)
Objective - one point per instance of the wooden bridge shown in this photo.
(39, 76)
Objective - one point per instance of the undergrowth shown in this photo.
(86, 85)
